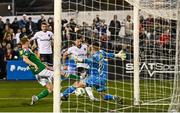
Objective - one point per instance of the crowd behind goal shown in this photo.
(156, 33)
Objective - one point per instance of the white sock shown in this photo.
(61, 94)
(89, 92)
(83, 75)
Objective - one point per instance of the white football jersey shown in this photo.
(44, 41)
(80, 52)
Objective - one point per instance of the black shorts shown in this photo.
(80, 70)
(47, 58)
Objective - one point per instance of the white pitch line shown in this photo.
(20, 89)
(124, 108)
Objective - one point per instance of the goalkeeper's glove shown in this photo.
(121, 54)
(77, 59)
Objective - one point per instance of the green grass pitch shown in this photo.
(15, 96)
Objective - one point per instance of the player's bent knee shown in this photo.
(81, 84)
(50, 90)
(76, 84)
(49, 87)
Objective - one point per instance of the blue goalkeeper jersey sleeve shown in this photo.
(98, 64)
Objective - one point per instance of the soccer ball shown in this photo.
(79, 92)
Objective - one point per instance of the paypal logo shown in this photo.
(12, 68)
(18, 68)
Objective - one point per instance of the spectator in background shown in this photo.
(17, 36)
(173, 23)
(23, 33)
(8, 46)
(4, 49)
(51, 23)
(6, 30)
(15, 53)
(97, 19)
(128, 26)
(8, 55)
(103, 28)
(104, 42)
(1, 29)
(165, 39)
(19, 46)
(67, 32)
(141, 26)
(72, 25)
(23, 21)
(31, 26)
(94, 36)
(150, 20)
(15, 25)
(63, 30)
(42, 19)
(114, 28)
(149, 26)
(7, 23)
(8, 38)
(2, 63)
(97, 23)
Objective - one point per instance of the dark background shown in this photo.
(46, 6)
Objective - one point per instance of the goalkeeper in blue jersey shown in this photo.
(97, 73)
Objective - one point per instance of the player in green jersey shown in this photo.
(43, 73)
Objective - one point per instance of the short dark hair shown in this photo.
(97, 44)
(44, 23)
(78, 36)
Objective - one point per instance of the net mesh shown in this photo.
(158, 59)
(158, 22)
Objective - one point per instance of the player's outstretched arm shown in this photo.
(121, 55)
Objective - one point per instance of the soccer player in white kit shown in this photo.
(44, 42)
(80, 50)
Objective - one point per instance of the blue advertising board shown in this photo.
(18, 70)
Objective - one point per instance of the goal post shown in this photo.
(136, 55)
(57, 56)
(168, 12)
(175, 100)
(145, 79)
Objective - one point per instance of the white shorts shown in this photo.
(45, 76)
(71, 70)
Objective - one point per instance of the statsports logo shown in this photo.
(151, 68)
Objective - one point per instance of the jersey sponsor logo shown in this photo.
(44, 39)
(18, 68)
(82, 54)
(151, 68)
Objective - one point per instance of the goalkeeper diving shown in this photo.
(97, 73)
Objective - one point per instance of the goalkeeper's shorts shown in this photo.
(97, 82)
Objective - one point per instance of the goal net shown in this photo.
(111, 22)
